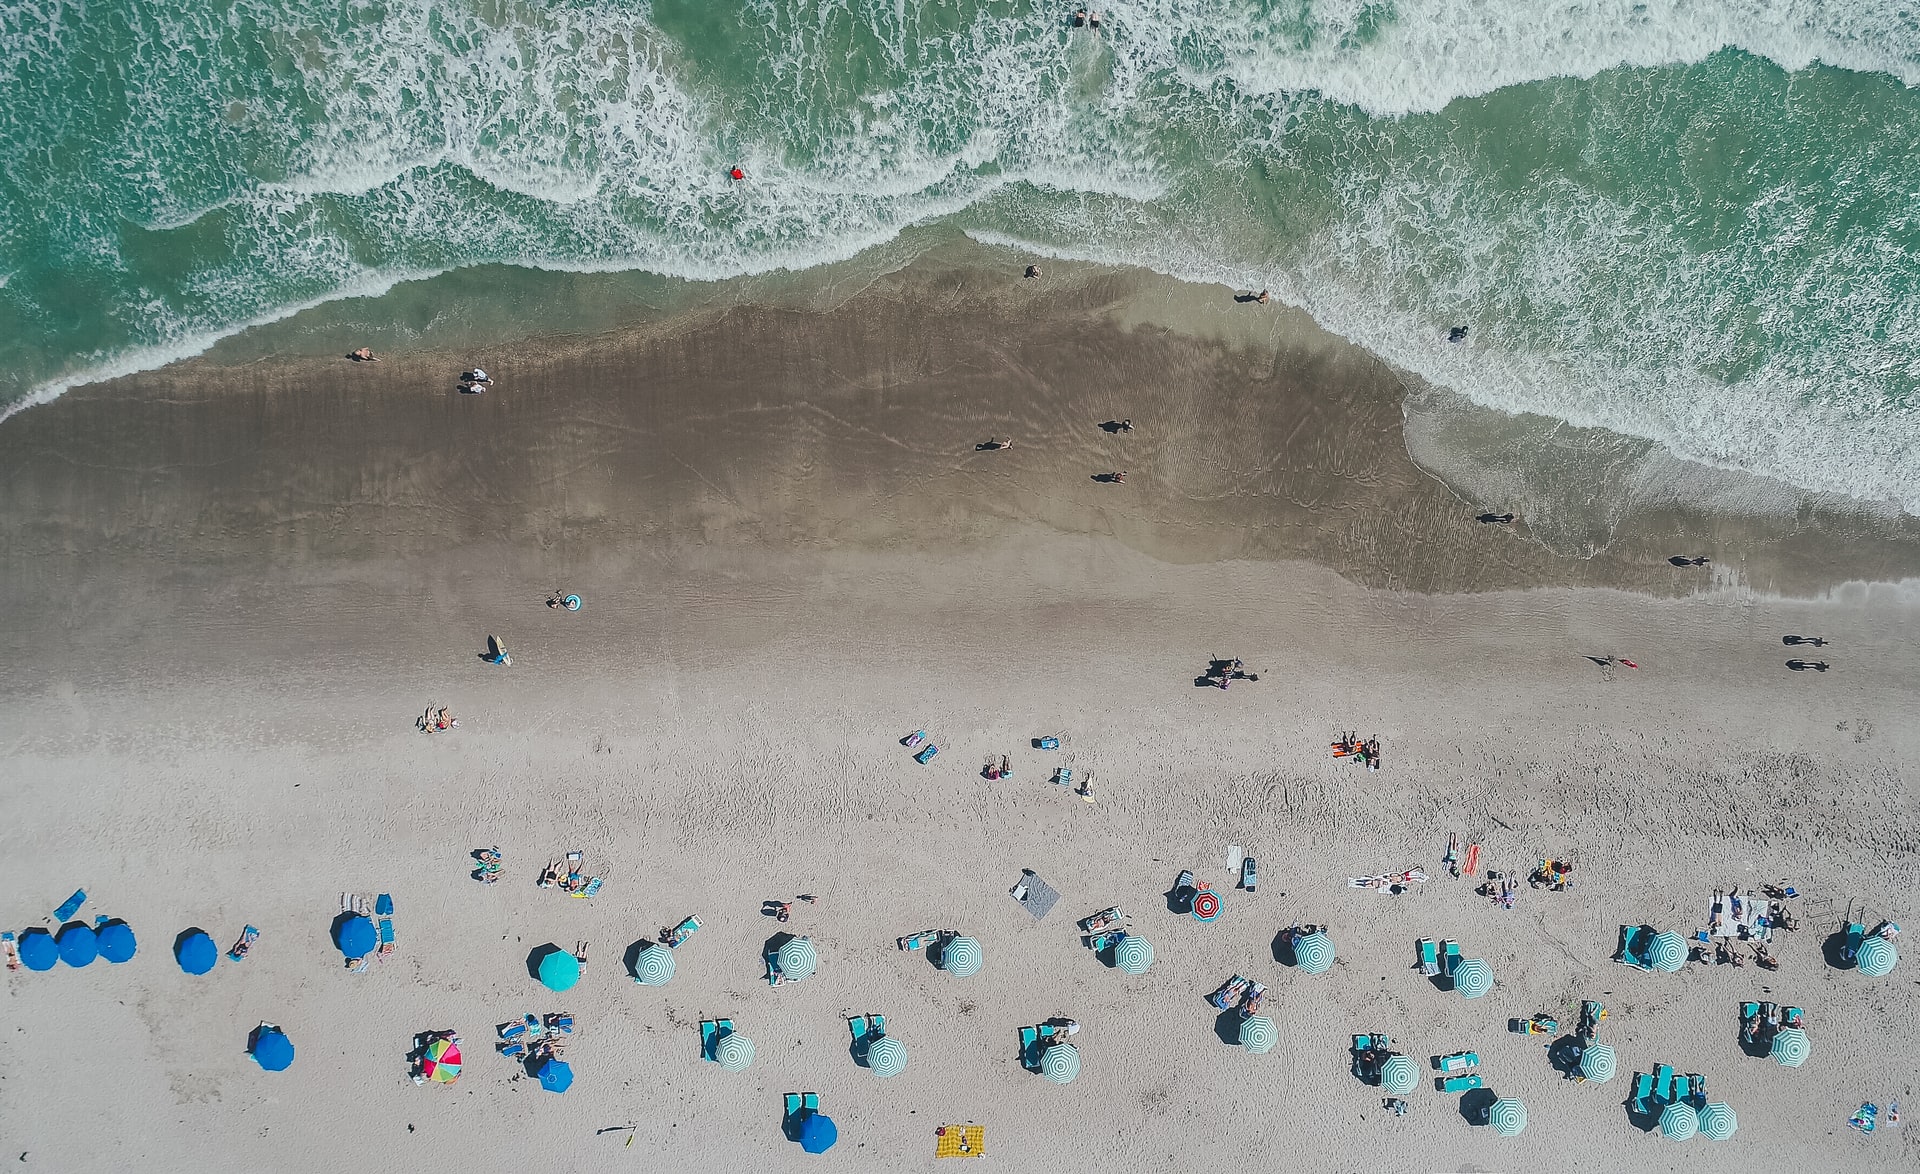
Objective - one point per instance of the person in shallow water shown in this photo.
(1457, 334)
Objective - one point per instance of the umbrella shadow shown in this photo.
(1644, 1122)
(1833, 948)
(1564, 1055)
(540, 954)
(186, 935)
(1475, 1105)
(1226, 1025)
(631, 959)
(339, 923)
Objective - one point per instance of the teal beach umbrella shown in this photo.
(961, 957)
(1717, 1121)
(1133, 954)
(1667, 952)
(1399, 1075)
(653, 966)
(886, 1057)
(1060, 1063)
(1598, 1064)
(1259, 1034)
(1473, 978)
(1314, 953)
(1508, 1117)
(798, 958)
(1678, 1121)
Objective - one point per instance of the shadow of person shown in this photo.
(1494, 519)
(1244, 298)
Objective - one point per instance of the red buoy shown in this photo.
(736, 173)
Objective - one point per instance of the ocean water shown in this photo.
(1694, 222)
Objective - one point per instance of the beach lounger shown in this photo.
(1458, 1061)
(1064, 776)
(11, 951)
(1792, 1017)
(918, 941)
(1460, 1083)
(960, 1141)
(248, 936)
(1698, 1084)
(1663, 1084)
(1749, 1023)
(1682, 1089)
(1429, 957)
(1856, 933)
(711, 1031)
(514, 1051)
(1633, 947)
(671, 938)
(1030, 1048)
(914, 739)
(1107, 919)
(1249, 874)
(1592, 1014)
(1048, 743)
(1450, 957)
(1642, 1098)
(1230, 993)
(866, 1028)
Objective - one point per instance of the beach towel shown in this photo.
(960, 1141)
(1034, 894)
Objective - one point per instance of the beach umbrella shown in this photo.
(441, 1062)
(654, 966)
(1206, 905)
(196, 953)
(886, 1057)
(1876, 957)
(1314, 953)
(1717, 1121)
(1598, 1064)
(116, 941)
(272, 1049)
(79, 945)
(356, 937)
(1508, 1117)
(556, 1075)
(961, 957)
(1473, 978)
(734, 1052)
(559, 970)
(1667, 952)
(1060, 1063)
(798, 958)
(817, 1134)
(38, 950)
(1133, 954)
(1258, 1034)
(1678, 1121)
(1399, 1075)
(1791, 1047)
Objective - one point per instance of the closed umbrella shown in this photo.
(734, 1052)
(961, 957)
(1258, 1034)
(559, 970)
(1473, 978)
(117, 943)
(1133, 954)
(1060, 1063)
(1791, 1047)
(817, 1133)
(1667, 952)
(798, 958)
(1314, 953)
(1876, 957)
(196, 953)
(79, 945)
(1597, 1063)
(886, 1057)
(556, 1075)
(1717, 1121)
(272, 1049)
(38, 950)
(442, 1061)
(1399, 1075)
(1678, 1121)
(357, 937)
(1508, 1117)
(654, 966)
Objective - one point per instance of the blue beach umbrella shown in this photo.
(79, 945)
(817, 1133)
(1473, 978)
(38, 951)
(357, 937)
(196, 953)
(1679, 1121)
(1314, 953)
(272, 1049)
(117, 943)
(556, 1075)
(559, 970)
(961, 957)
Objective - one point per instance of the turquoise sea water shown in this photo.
(1694, 221)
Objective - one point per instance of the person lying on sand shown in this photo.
(364, 355)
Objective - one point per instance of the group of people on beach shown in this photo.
(1368, 752)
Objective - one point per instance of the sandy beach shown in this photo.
(234, 585)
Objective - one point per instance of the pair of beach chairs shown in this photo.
(865, 1029)
(1454, 1072)
(1438, 960)
(712, 1031)
(1103, 929)
(1037, 1039)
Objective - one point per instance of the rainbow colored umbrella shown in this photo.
(442, 1061)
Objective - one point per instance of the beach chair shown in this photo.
(248, 936)
(1457, 1061)
(1450, 957)
(1063, 776)
(711, 1032)
(1663, 1084)
(917, 941)
(383, 907)
(914, 739)
(1230, 992)
(1792, 1017)
(1107, 919)
(1048, 743)
(1633, 947)
(1698, 1084)
(1429, 957)
(1642, 1099)
(671, 938)
(801, 1103)
(514, 1051)
(1682, 1089)
(960, 1141)
(1749, 1023)
(7, 946)
(1592, 1014)
(1105, 941)
(1030, 1048)
(1460, 1083)
(1856, 933)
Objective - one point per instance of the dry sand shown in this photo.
(232, 589)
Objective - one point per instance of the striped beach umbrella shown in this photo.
(1508, 1117)
(1678, 1121)
(79, 945)
(1717, 1121)
(1060, 1063)
(1133, 954)
(734, 1052)
(886, 1057)
(1258, 1034)
(1597, 1063)
(117, 943)
(1473, 978)
(653, 966)
(798, 958)
(1399, 1075)
(1314, 953)
(1791, 1047)
(961, 957)
(1876, 957)
(1206, 905)
(1667, 952)
(442, 1061)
